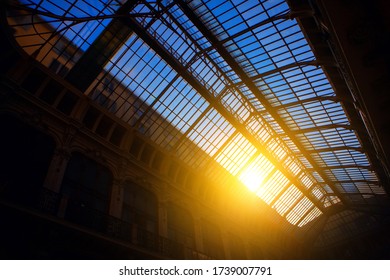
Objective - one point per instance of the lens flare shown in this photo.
(252, 179)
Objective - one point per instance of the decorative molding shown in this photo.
(96, 154)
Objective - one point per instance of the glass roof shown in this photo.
(228, 82)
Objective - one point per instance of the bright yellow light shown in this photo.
(252, 179)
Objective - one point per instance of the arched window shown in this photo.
(87, 184)
(140, 207)
(180, 226)
(256, 252)
(236, 247)
(212, 241)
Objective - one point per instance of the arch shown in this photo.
(140, 207)
(212, 240)
(236, 247)
(180, 225)
(102, 157)
(256, 252)
(87, 187)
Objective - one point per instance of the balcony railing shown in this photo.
(50, 202)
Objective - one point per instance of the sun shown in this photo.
(251, 179)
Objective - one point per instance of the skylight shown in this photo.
(232, 82)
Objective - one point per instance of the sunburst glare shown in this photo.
(252, 179)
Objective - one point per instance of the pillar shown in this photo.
(198, 234)
(116, 202)
(57, 170)
(162, 219)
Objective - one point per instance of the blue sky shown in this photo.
(257, 48)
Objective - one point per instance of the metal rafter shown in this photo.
(342, 167)
(98, 54)
(179, 68)
(317, 31)
(285, 16)
(335, 149)
(317, 129)
(302, 102)
(233, 86)
(255, 90)
(284, 103)
(315, 63)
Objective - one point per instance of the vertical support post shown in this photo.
(162, 219)
(116, 198)
(198, 234)
(56, 170)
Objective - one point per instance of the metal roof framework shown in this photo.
(236, 78)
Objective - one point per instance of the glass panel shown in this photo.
(232, 85)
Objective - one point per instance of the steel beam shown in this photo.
(92, 62)
(179, 68)
(317, 129)
(255, 90)
(335, 149)
(367, 167)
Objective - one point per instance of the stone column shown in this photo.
(50, 199)
(116, 202)
(245, 249)
(56, 170)
(198, 235)
(162, 219)
(225, 245)
(248, 250)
